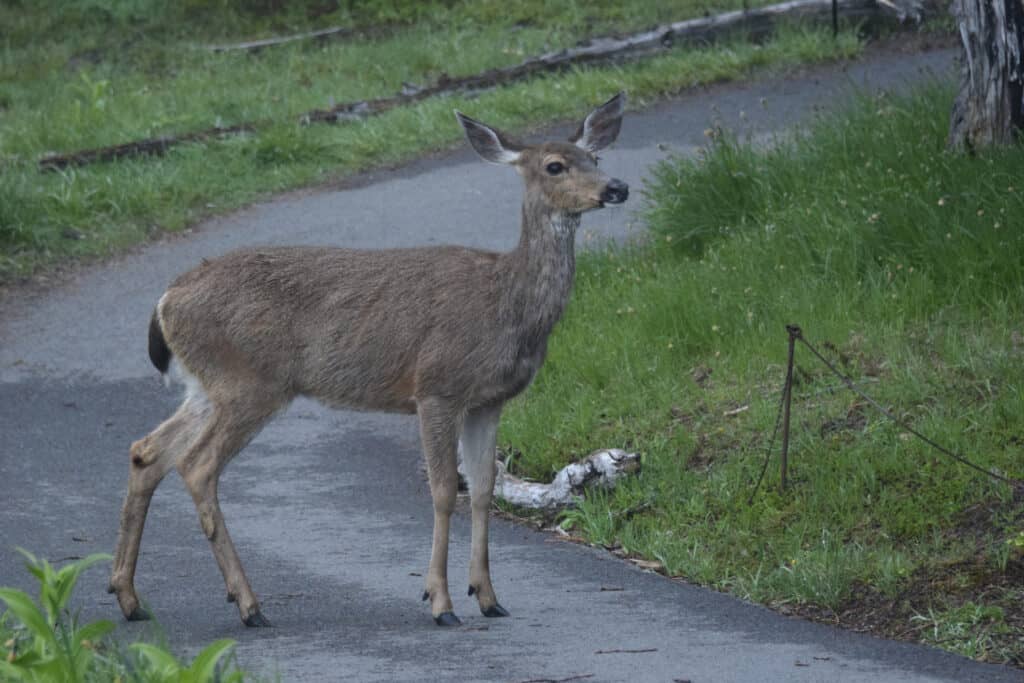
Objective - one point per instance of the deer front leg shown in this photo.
(439, 428)
(479, 440)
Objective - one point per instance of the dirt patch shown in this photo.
(854, 421)
(923, 610)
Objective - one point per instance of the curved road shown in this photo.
(330, 511)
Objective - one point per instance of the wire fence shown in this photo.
(783, 414)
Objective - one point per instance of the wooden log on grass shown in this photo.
(754, 24)
(149, 146)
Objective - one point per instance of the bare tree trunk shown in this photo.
(989, 108)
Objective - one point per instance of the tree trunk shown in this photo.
(989, 108)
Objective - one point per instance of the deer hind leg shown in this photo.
(439, 429)
(479, 439)
(232, 424)
(151, 458)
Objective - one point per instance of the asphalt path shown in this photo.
(330, 511)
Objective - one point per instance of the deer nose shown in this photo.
(615, 192)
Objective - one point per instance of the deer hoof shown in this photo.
(494, 610)
(447, 619)
(138, 614)
(256, 619)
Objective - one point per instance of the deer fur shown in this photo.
(449, 332)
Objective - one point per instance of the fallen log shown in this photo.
(755, 23)
(154, 146)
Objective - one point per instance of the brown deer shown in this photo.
(448, 332)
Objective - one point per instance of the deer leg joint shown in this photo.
(140, 455)
(208, 520)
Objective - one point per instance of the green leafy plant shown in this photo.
(55, 648)
(46, 644)
(164, 668)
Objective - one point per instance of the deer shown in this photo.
(448, 333)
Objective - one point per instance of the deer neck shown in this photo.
(540, 269)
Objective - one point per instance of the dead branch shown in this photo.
(155, 146)
(255, 45)
(600, 469)
(754, 23)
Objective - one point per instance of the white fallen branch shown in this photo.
(601, 469)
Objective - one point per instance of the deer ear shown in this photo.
(601, 126)
(490, 144)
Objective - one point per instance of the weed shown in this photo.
(49, 645)
(967, 629)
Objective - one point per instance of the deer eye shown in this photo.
(555, 167)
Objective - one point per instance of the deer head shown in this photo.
(563, 175)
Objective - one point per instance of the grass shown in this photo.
(905, 263)
(90, 73)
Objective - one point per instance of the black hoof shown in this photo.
(472, 589)
(447, 619)
(256, 619)
(426, 595)
(494, 610)
(139, 614)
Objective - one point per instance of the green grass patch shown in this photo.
(906, 264)
(130, 70)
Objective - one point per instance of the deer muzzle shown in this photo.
(615, 192)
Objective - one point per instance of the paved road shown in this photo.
(329, 510)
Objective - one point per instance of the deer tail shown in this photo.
(159, 352)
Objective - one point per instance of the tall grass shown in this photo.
(886, 195)
(902, 259)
